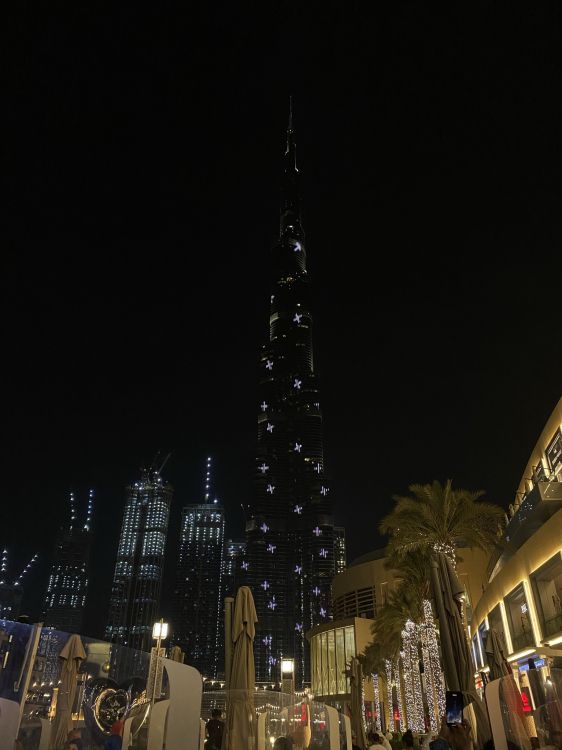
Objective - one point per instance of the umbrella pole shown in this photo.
(228, 605)
(451, 673)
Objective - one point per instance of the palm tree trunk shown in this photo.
(449, 666)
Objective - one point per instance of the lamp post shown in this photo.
(159, 634)
(288, 676)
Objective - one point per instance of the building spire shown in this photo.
(290, 209)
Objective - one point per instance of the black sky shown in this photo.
(142, 150)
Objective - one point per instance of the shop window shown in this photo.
(547, 588)
(482, 637)
(496, 623)
(519, 619)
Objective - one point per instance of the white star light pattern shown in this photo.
(297, 509)
(317, 531)
(298, 569)
(297, 317)
(324, 491)
(272, 603)
(297, 384)
(264, 527)
(263, 406)
(267, 640)
(316, 591)
(269, 365)
(270, 427)
(323, 553)
(245, 565)
(297, 248)
(264, 467)
(265, 585)
(298, 447)
(318, 468)
(322, 612)
(298, 627)
(271, 488)
(271, 548)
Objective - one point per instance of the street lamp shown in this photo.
(288, 675)
(159, 634)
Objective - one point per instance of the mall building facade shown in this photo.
(522, 601)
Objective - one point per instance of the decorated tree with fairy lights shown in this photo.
(435, 520)
(438, 518)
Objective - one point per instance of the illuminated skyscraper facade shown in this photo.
(340, 551)
(290, 560)
(137, 582)
(234, 552)
(68, 581)
(198, 622)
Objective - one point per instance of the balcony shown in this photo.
(538, 505)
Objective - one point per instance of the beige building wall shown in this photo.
(545, 543)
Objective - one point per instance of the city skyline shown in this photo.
(144, 185)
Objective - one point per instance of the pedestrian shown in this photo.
(375, 741)
(214, 730)
(74, 740)
(408, 739)
(115, 739)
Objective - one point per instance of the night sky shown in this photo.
(142, 150)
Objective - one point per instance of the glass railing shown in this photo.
(151, 696)
(526, 717)
(259, 718)
(160, 701)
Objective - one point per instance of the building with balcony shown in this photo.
(523, 597)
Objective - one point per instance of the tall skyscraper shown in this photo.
(340, 550)
(198, 621)
(289, 560)
(68, 581)
(11, 594)
(137, 582)
(234, 552)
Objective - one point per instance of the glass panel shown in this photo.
(331, 662)
(340, 660)
(349, 650)
(547, 587)
(519, 618)
(324, 663)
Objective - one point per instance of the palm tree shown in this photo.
(438, 518)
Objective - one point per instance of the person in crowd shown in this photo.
(384, 741)
(408, 739)
(283, 743)
(115, 739)
(375, 741)
(214, 730)
(74, 740)
(354, 745)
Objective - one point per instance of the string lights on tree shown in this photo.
(412, 679)
(376, 695)
(388, 669)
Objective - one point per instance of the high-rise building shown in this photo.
(68, 581)
(198, 623)
(340, 552)
(289, 561)
(137, 582)
(234, 552)
(11, 594)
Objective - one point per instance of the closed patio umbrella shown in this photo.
(239, 728)
(499, 666)
(72, 654)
